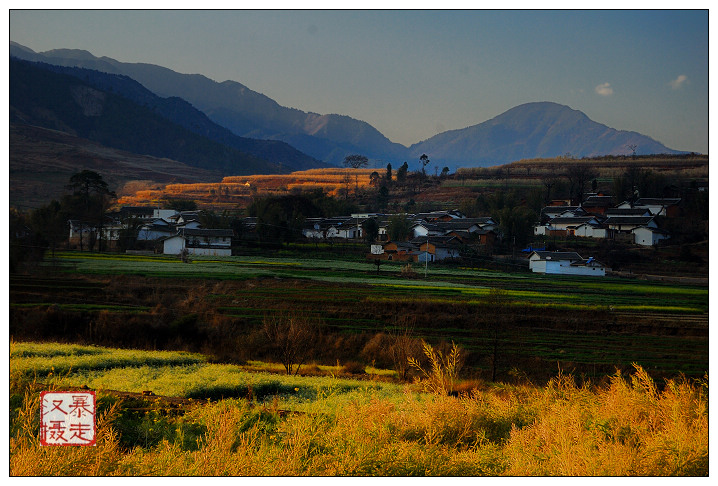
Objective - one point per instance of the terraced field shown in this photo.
(539, 322)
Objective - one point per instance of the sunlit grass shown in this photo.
(326, 426)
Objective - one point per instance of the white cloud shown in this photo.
(679, 82)
(604, 89)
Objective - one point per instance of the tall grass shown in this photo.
(628, 426)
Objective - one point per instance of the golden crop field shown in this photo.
(240, 189)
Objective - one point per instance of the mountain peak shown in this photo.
(539, 129)
(530, 130)
(78, 54)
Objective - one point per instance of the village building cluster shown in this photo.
(430, 237)
(632, 221)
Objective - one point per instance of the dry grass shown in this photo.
(627, 427)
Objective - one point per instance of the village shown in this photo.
(437, 236)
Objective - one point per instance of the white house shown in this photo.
(214, 242)
(550, 212)
(349, 229)
(154, 230)
(628, 212)
(564, 263)
(648, 236)
(657, 206)
(626, 224)
(568, 224)
(588, 230)
(423, 229)
(164, 213)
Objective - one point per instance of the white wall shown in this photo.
(174, 245)
(210, 251)
(563, 267)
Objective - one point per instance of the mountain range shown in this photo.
(541, 129)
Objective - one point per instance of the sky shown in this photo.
(415, 73)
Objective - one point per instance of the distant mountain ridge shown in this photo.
(535, 130)
(531, 130)
(58, 101)
(243, 111)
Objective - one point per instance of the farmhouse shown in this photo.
(214, 242)
(397, 251)
(551, 212)
(597, 204)
(567, 225)
(626, 224)
(154, 229)
(648, 236)
(658, 206)
(437, 247)
(628, 212)
(564, 263)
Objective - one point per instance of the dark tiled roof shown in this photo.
(627, 212)
(558, 255)
(574, 220)
(637, 220)
(655, 201)
(206, 232)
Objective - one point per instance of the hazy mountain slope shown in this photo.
(42, 162)
(238, 108)
(184, 114)
(61, 102)
(533, 130)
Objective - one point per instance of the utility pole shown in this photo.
(426, 257)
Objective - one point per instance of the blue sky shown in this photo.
(413, 74)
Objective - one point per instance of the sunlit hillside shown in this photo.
(239, 190)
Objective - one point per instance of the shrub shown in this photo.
(441, 378)
(354, 368)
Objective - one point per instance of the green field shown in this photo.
(538, 324)
(441, 281)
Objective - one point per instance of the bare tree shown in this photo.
(424, 159)
(292, 337)
(549, 182)
(403, 345)
(356, 161)
(578, 176)
(497, 299)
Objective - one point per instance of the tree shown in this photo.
(370, 229)
(496, 300)
(398, 227)
(23, 246)
(388, 173)
(292, 338)
(91, 197)
(403, 345)
(516, 223)
(211, 220)
(180, 204)
(401, 173)
(128, 235)
(548, 182)
(50, 223)
(281, 218)
(424, 160)
(356, 161)
(578, 176)
(374, 179)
